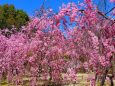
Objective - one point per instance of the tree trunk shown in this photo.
(104, 77)
(50, 70)
(96, 76)
(111, 79)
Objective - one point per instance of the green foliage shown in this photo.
(9, 16)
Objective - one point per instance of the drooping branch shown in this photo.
(110, 10)
(103, 15)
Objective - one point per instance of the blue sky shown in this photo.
(30, 6)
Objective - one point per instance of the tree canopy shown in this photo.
(10, 16)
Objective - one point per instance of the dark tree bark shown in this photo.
(104, 76)
(96, 76)
(111, 79)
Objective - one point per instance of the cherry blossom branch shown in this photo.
(110, 10)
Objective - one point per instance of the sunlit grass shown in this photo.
(81, 81)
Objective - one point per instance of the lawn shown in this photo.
(81, 81)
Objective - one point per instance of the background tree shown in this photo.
(10, 16)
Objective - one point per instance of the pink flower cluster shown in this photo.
(48, 46)
(112, 0)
